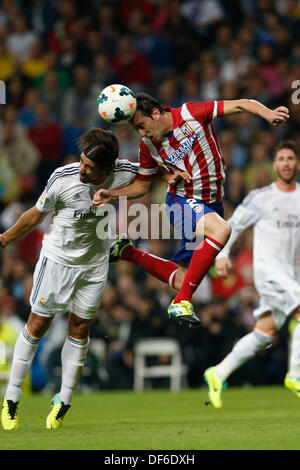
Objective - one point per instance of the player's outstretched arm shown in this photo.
(136, 189)
(25, 223)
(274, 116)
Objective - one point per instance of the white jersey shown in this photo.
(72, 239)
(276, 218)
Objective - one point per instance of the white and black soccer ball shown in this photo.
(116, 104)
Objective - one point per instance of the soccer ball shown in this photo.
(116, 104)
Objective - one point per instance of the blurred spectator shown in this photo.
(64, 75)
(191, 90)
(268, 69)
(235, 190)
(7, 60)
(259, 171)
(221, 46)
(67, 13)
(42, 16)
(46, 135)
(79, 101)
(27, 114)
(128, 142)
(35, 64)
(167, 92)
(210, 81)
(9, 314)
(52, 95)
(182, 36)
(132, 67)
(107, 21)
(156, 47)
(204, 14)
(103, 74)
(21, 39)
(16, 90)
(10, 188)
(69, 55)
(234, 154)
(236, 66)
(128, 7)
(21, 154)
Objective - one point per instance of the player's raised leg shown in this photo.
(217, 233)
(163, 269)
(73, 356)
(24, 351)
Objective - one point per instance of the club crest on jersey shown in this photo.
(42, 301)
(187, 129)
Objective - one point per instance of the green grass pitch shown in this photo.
(258, 418)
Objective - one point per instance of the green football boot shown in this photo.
(292, 384)
(56, 416)
(184, 313)
(10, 415)
(116, 248)
(215, 387)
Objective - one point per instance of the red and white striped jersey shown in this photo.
(192, 146)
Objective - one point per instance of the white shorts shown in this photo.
(279, 295)
(59, 289)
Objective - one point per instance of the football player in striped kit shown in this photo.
(274, 212)
(184, 142)
(71, 272)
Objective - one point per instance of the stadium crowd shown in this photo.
(55, 58)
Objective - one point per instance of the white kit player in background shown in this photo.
(274, 211)
(71, 272)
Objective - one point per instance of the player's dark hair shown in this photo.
(146, 103)
(100, 146)
(286, 144)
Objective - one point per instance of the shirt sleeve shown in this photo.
(48, 199)
(206, 111)
(244, 216)
(148, 166)
(125, 172)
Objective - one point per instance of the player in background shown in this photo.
(184, 140)
(71, 272)
(274, 211)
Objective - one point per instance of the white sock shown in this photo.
(243, 350)
(73, 355)
(24, 352)
(294, 369)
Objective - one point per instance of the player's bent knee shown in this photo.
(37, 325)
(222, 232)
(79, 327)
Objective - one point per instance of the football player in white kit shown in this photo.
(274, 211)
(71, 272)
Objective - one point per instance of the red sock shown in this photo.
(202, 259)
(162, 269)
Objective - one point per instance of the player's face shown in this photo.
(286, 165)
(151, 127)
(89, 171)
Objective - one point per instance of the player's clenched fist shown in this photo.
(2, 242)
(103, 196)
(279, 115)
(223, 267)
